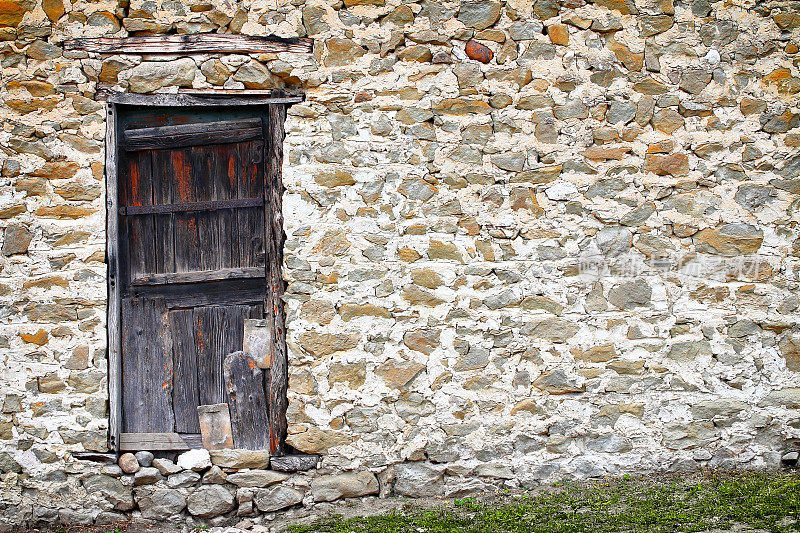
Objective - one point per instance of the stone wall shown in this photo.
(579, 258)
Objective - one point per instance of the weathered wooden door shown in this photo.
(193, 191)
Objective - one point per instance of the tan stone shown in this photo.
(422, 340)
(354, 374)
(559, 34)
(334, 242)
(604, 152)
(625, 367)
(650, 86)
(409, 255)
(56, 170)
(351, 311)
(54, 9)
(596, 354)
(334, 178)
(399, 374)
(789, 348)
(46, 282)
(215, 71)
(50, 383)
(730, 240)
(39, 338)
(65, 212)
(426, 277)
(675, 164)
(12, 210)
(447, 251)
(668, 121)
(632, 61)
(416, 52)
(527, 406)
(419, 296)
(315, 440)
(319, 311)
(342, 52)
(12, 11)
(322, 344)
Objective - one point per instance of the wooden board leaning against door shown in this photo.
(195, 190)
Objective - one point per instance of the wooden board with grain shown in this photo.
(248, 404)
(192, 43)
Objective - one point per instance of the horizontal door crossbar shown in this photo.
(200, 275)
(209, 205)
(202, 133)
(182, 44)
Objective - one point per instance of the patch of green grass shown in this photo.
(769, 501)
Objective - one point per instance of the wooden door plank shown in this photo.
(278, 375)
(248, 408)
(208, 336)
(200, 276)
(203, 185)
(152, 442)
(183, 44)
(187, 253)
(141, 245)
(185, 393)
(163, 224)
(251, 221)
(113, 319)
(195, 134)
(199, 98)
(224, 172)
(147, 368)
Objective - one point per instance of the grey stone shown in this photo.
(689, 350)
(510, 161)
(111, 489)
(719, 32)
(630, 294)
(788, 397)
(196, 460)
(347, 485)
(693, 81)
(479, 14)
(418, 480)
(185, 478)
(557, 382)
(572, 109)
(166, 467)
(294, 463)
(276, 498)
(610, 443)
(614, 241)
(144, 458)
(232, 458)
(790, 458)
(474, 359)
(146, 476)
(525, 31)
(254, 75)
(718, 407)
(209, 501)
(506, 298)
(752, 197)
(539, 50)
(638, 216)
(16, 239)
(151, 75)
(8, 464)
(621, 111)
(161, 504)
(256, 478)
(215, 475)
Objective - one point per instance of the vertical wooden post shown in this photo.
(113, 325)
(278, 376)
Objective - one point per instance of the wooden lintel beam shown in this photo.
(189, 44)
(207, 98)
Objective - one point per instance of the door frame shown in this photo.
(273, 247)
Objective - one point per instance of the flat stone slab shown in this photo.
(294, 463)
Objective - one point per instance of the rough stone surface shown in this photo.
(209, 501)
(348, 485)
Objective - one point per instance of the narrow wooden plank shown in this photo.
(113, 319)
(141, 245)
(152, 442)
(215, 426)
(199, 276)
(194, 128)
(187, 246)
(227, 227)
(193, 440)
(185, 393)
(251, 221)
(194, 43)
(216, 133)
(278, 377)
(163, 224)
(209, 325)
(227, 292)
(248, 406)
(208, 98)
(146, 366)
(185, 207)
(207, 229)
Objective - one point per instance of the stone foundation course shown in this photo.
(526, 241)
